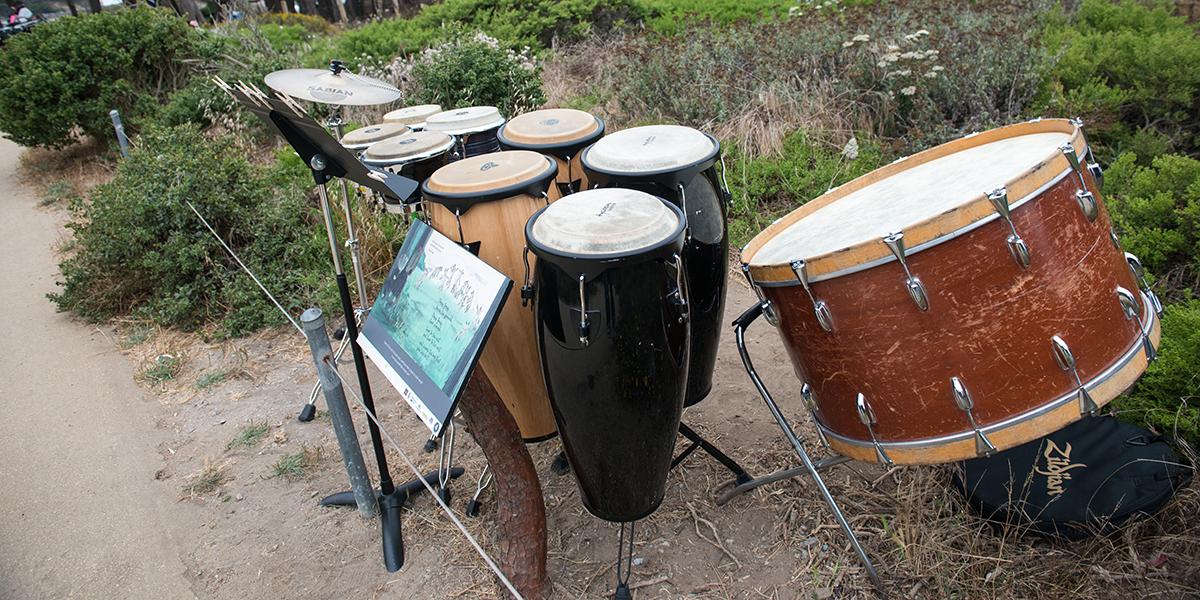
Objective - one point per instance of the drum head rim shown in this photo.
(648, 252)
(384, 163)
(837, 262)
(543, 180)
(569, 149)
(713, 157)
(364, 145)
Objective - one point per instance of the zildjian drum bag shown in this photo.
(1087, 479)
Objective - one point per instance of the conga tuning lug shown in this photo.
(1097, 171)
(1016, 244)
(1066, 362)
(867, 415)
(1087, 204)
(1116, 241)
(584, 325)
(1128, 302)
(962, 397)
(1085, 198)
(1019, 250)
(1130, 306)
(916, 289)
(820, 308)
(1139, 273)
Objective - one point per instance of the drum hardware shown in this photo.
(1116, 241)
(916, 289)
(1093, 166)
(867, 415)
(485, 480)
(678, 297)
(527, 282)
(1130, 306)
(820, 308)
(1066, 361)
(1139, 273)
(806, 393)
(739, 328)
(1016, 245)
(1085, 198)
(624, 563)
(962, 397)
(725, 183)
(768, 310)
(584, 337)
(446, 462)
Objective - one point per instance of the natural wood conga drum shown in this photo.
(561, 134)
(964, 300)
(484, 202)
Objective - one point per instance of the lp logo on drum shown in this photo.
(649, 140)
(550, 122)
(487, 165)
(606, 208)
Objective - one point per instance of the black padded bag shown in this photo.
(1089, 478)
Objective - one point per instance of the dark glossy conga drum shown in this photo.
(360, 139)
(483, 203)
(679, 164)
(964, 300)
(473, 129)
(413, 116)
(611, 319)
(560, 133)
(416, 155)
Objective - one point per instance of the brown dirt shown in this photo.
(159, 504)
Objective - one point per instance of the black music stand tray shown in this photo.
(810, 467)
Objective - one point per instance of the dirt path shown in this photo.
(81, 514)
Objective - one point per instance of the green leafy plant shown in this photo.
(68, 74)
(295, 465)
(248, 435)
(1167, 397)
(477, 70)
(139, 250)
(161, 369)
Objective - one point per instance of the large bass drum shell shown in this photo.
(706, 254)
(483, 202)
(977, 369)
(617, 399)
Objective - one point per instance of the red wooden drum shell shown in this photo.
(989, 323)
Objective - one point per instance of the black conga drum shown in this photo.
(611, 316)
(679, 164)
(416, 155)
(360, 139)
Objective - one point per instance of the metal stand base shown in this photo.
(739, 330)
(741, 477)
(404, 491)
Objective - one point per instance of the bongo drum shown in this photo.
(964, 300)
(560, 133)
(679, 164)
(473, 128)
(413, 116)
(483, 202)
(363, 137)
(416, 155)
(612, 328)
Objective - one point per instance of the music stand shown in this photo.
(327, 159)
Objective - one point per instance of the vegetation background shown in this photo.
(804, 94)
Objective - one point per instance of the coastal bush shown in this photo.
(1167, 397)
(139, 250)
(65, 76)
(475, 70)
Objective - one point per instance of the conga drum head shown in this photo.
(483, 202)
(462, 121)
(556, 132)
(412, 146)
(412, 116)
(652, 150)
(611, 304)
(361, 138)
(964, 300)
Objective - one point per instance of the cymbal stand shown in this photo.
(337, 125)
(739, 329)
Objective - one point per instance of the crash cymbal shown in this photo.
(328, 86)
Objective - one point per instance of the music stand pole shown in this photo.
(390, 504)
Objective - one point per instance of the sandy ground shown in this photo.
(115, 489)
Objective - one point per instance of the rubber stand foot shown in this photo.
(307, 413)
(339, 333)
(560, 466)
(444, 494)
(431, 444)
(473, 508)
(623, 593)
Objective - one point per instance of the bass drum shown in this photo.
(612, 330)
(483, 203)
(961, 301)
(679, 164)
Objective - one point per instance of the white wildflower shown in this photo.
(850, 150)
(912, 56)
(908, 91)
(893, 48)
(931, 75)
(904, 72)
(847, 44)
(890, 57)
(862, 37)
(938, 68)
(922, 32)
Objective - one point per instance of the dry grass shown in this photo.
(205, 481)
(80, 167)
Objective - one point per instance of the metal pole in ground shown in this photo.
(313, 322)
(122, 139)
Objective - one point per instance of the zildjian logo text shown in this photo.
(1058, 467)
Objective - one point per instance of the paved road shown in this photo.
(80, 512)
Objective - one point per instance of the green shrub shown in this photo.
(1167, 398)
(1156, 210)
(673, 16)
(476, 70)
(766, 188)
(313, 24)
(139, 250)
(518, 23)
(69, 73)
(1126, 68)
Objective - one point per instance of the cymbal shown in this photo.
(326, 87)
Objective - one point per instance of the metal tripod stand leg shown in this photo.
(699, 443)
(739, 328)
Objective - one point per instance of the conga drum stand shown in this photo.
(810, 468)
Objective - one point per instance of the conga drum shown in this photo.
(361, 138)
(612, 327)
(413, 116)
(473, 129)
(964, 300)
(483, 203)
(679, 164)
(416, 155)
(560, 133)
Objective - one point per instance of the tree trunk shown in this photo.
(341, 11)
(520, 511)
(94, 6)
(309, 7)
(71, 6)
